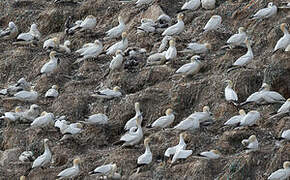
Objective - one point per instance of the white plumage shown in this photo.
(236, 119)
(164, 43)
(52, 93)
(176, 28)
(230, 94)
(121, 45)
(143, 2)
(29, 96)
(208, 4)
(250, 118)
(286, 134)
(147, 25)
(43, 159)
(70, 172)
(10, 32)
(284, 41)
(32, 113)
(13, 116)
(181, 145)
(91, 51)
(269, 11)
(164, 121)
(118, 30)
(89, 23)
(108, 93)
(190, 123)
(190, 68)
(108, 169)
(281, 174)
(181, 154)
(65, 47)
(171, 52)
(97, 119)
(213, 154)
(145, 158)
(132, 122)
(51, 65)
(133, 137)
(247, 58)
(26, 156)
(214, 23)
(51, 43)
(285, 108)
(46, 119)
(191, 5)
(157, 58)
(251, 143)
(117, 61)
(197, 48)
(31, 35)
(238, 39)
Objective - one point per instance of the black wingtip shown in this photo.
(27, 171)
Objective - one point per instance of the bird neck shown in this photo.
(46, 148)
(76, 165)
(286, 31)
(147, 148)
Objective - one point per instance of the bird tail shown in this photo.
(182, 10)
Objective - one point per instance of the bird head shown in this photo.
(55, 87)
(79, 125)
(76, 161)
(67, 43)
(33, 26)
(116, 88)
(172, 42)
(283, 26)
(208, 46)
(169, 111)
(180, 16)
(119, 52)
(18, 109)
(43, 113)
(124, 35)
(205, 109)
(288, 99)
(146, 141)
(215, 151)
(45, 141)
(184, 136)
(242, 29)
(242, 112)
(265, 86)
(22, 177)
(137, 105)
(229, 82)
(195, 58)
(90, 17)
(270, 4)
(252, 138)
(52, 54)
(56, 40)
(286, 164)
(34, 107)
(11, 25)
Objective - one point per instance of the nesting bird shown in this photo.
(131, 138)
(13, 116)
(164, 121)
(32, 113)
(251, 143)
(65, 47)
(204, 117)
(230, 94)
(91, 51)
(157, 58)
(10, 32)
(190, 68)
(52, 43)
(269, 11)
(197, 48)
(171, 52)
(33, 34)
(97, 119)
(117, 60)
(108, 93)
(147, 26)
(213, 24)
(281, 174)
(246, 58)
(45, 119)
(116, 31)
(121, 45)
(143, 2)
(176, 28)
(70, 172)
(145, 158)
(284, 41)
(190, 123)
(132, 122)
(212, 154)
(164, 43)
(191, 5)
(89, 23)
(49, 67)
(285, 135)
(52, 93)
(250, 118)
(26, 156)
(208, 4)
(236, 119)
(237, 39)
(108, 170)
(25, 96)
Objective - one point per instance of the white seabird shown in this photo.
(176, 28)
(74, 26)
(85, 47)
(251, 143)
(21, 84)
(145, 158)
(287, 48)
(164, 121)
(132, 122)
(65, 47)
(51, 65)
(147, 26)
(108, 169)
(208, 4)
(246, 58)
(213, 24)
(26, 96)
(13, 116)
(236, 119)
(203, 117)
(92, 51)
(31, 35)
(250, 118)
(116, 31)
(171, 52)
(117, 60)
(44, 120)
(96, 119)
(70, 172)
(121, 45)
(212, 154)
(269, 11)
(43, 159)
(284, 41)
(51, 43)
(26, 156)
(157, 58)
(191, 5)
(286, 134)
(284, 109)
(108, 93)
(10, 32)
(52, 93)
(230, 94)
(281, 174)
(237, 39)
(197, 48)
(70, 130)
(89, 23)
(264, 95)
(143, 2)
(131, 138)
(32, 113)
(190, 123)
(190, 68)
(164, 43)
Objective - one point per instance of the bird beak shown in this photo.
(262, 88)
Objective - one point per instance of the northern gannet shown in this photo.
(181, 154)
(157, 58)
(264, 95)
(108, 93)
(65, 47)
(230, 94)
(204, 117)
(287, 48)
(10, 32)
(246, 58)
(176, 28)
(116, 31)
(250, 118)
(52, 43)
(121, 45)
(163, 21)
(132, 122)
(51, 65)
(212, 154)
(208, 4)
(31, 35)
(213, 24)
(43, 159)
(284, 109)
(92, 51)
(171, 52)
(26, 156)
(191, 5)
(143, 2)
(13, 116)
(26, 96)
(117, 60)
(32, 113)
(145, 158)
(108, 170)
(147, 26)
(237, 39)
(164, 43)
(89, 23)
(190, 123)
(251, 143)
(22, 177)
(197, 48)
(285, 134)
(281, 174)
(190, 68)
(164, 121)
(70, 172)
(69, 131)
(131, 138)
(236, 119)
(21, 84)
(52, 93)
(44, 120)
(269, 11)
(73, 26)
(284, 41)
(85, 47)
(96, 119)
